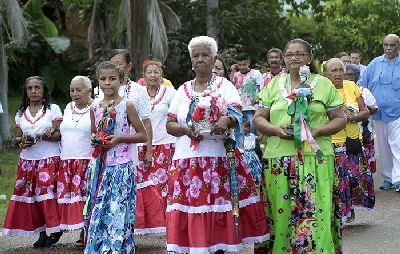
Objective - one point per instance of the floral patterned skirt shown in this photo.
(151, 196)
(304, 215)
(369, 155)
(361, 182)
(33, 205)
(199, 211)
(342, 169)
(110, 222)
(71, 192)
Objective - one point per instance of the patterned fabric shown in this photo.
(121, 153)
(254, 164)
(152, 189)
(268, 76)
(369, 155)
(199, 211)
(33, 206)
(361, 182)
(110, 223)
(71, 193)
(301, 206)
(342, 169)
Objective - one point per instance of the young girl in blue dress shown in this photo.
(110, 207)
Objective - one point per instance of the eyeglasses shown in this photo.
(297, 55)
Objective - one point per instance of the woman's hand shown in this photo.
(279, 131)
(221, 126)
(49, 131)
(148, 158)
(191, 134)
(26, 142)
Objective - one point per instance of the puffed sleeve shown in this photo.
(56, 114)
(264, 97)
(332, 98)
(230, 94)
(18, 120)
(174, 104)
(143, 103)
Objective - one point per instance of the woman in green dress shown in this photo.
(300, 179)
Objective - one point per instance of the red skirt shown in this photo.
(199, 211)
(151, 195)
(33, 205)
(71, 192)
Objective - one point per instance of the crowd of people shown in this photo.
(231, 157)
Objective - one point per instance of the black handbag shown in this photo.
(353, 145)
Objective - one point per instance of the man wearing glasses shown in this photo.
(382, 78)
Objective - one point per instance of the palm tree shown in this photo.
(19, 35)
(147, 23)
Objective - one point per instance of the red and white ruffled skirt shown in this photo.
(33, 205)
(151, 195)
(71, 192)
(199, 211)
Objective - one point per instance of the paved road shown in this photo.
(374, 232)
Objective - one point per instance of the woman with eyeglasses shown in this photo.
(299, 172)
(357, 185)
(33, 205)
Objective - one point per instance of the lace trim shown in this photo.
(211, 208)
(145, 184)
(66, 227)
(171, 115)
(32, 199)
(71, 200)
(220, 246)
(153, 231)
(15, 232)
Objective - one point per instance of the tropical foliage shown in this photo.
(162, 29)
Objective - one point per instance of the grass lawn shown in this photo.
(8, 171)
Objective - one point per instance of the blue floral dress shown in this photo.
(110, 215)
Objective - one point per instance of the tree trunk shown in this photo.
(4, 124)
(140, 35)
(212, 19)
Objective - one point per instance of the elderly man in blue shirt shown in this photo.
(382, 78)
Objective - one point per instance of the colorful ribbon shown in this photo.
(103, 130)
(300, 112)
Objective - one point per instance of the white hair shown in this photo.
(85, 80)
(335, 59)
(206, 41)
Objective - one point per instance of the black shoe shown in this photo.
(41, 242)
(53, 238)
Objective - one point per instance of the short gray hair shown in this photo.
(85, 80)
(206, 41)
(335, 59)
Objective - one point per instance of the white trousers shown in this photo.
(388, 138)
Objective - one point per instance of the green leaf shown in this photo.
(44, 26)
(58, 44)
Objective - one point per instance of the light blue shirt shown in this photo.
(382, 78)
